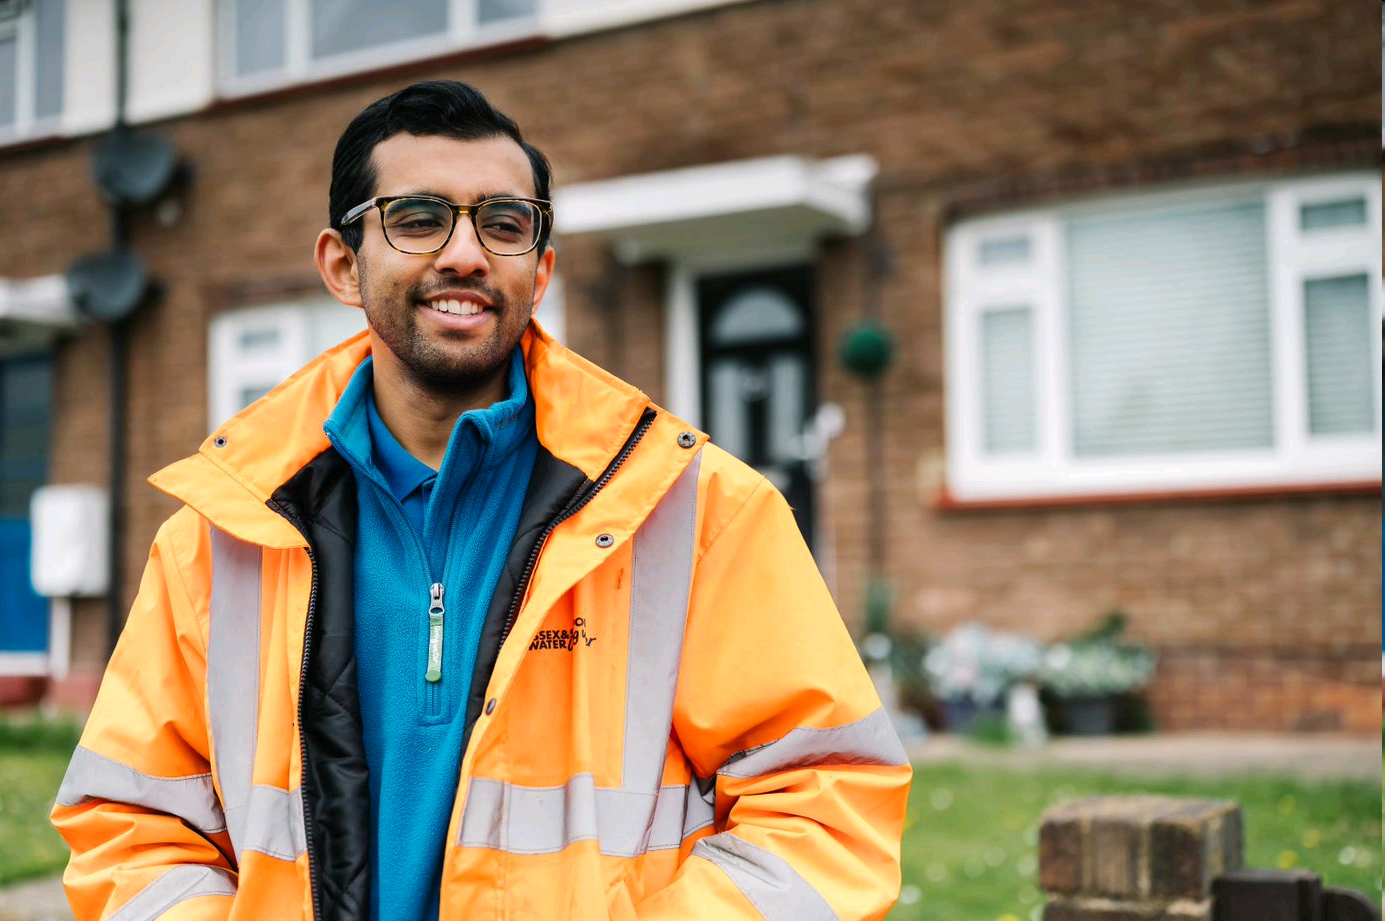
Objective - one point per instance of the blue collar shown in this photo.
(358, 432)
(402, 471)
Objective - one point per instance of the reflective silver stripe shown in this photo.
(869, 740)
(233, 673)
(188, 881)
(766, 879)
(274, 822)
(545, 820)
(260, 818)
(660, 579)
(91, 777)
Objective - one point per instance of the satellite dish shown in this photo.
(135, 169)
(108, 285)
(10, 9)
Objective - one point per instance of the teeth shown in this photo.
(460, 308)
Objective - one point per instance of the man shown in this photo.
(455, 625)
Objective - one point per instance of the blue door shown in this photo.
(26, 387)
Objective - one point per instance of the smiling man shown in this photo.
(455, 625)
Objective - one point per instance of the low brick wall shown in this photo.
(1136, 858)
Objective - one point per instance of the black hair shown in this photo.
(432, 108)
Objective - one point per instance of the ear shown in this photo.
(336, 263)
(543, 274)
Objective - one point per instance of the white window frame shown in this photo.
(462, 32)
(26, 124)
(552, 312)
(231, 370)
(1051, 470)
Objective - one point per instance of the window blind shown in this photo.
(339, 26)
(1169, 331)
(9, 62)
(1341, 394)
(259, 35)
(1007, 380)
(48, 75)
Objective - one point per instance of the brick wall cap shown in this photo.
(1095, 907)
(1074, 809)
(1196, 812)
(1145, 807)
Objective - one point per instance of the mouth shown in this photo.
(457, 307)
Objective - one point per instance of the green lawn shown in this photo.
(33, 757)
(970, 843)
(970, 846)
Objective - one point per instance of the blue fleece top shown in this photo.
(420, 535)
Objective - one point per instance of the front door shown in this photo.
(25, 401)
(757, 374)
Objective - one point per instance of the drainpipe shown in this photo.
(117, 352)
(130, 171)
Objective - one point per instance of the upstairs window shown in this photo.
(272, 42)
(1218, 339)
(253, 349)
(31, 67)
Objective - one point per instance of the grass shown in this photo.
(970, 845)
(971, 838)
(33, 757)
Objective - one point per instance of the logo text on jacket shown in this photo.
(563, 639)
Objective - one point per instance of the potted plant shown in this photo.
(1089, 675)
(971, 670)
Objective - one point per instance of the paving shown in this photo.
(1200, 754)
(1209, 754)
(37, 900)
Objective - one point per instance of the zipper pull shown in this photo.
(435, 612)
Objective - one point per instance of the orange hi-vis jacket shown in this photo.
(668, 718)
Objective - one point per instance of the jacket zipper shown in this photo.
(573, 508)
(435, 612)
(302, 685)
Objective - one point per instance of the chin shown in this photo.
(461, 374)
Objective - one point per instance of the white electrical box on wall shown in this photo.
(70, 540)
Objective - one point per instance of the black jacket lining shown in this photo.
(336, 788)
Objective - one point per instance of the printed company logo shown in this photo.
(563, 639)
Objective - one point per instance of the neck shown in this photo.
(421, 416)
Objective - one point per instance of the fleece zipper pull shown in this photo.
(435, 612)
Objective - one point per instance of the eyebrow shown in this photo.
(481, 197)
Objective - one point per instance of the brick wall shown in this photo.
(965, 107)
(1137, 858)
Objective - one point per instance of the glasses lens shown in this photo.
(508, 228)
(417, 225)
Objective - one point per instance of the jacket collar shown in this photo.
(583, 415)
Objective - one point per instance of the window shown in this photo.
(26, 402)
(31, 67)
(271, 42)
(252, 350)
(1223, 338)
(552, 314)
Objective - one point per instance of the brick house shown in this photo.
(1129, 255)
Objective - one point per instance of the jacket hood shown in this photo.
(583, 416)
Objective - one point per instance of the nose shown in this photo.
(463, 254)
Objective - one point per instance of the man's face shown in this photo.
(420, 308)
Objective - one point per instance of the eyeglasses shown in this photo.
(422, 224)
